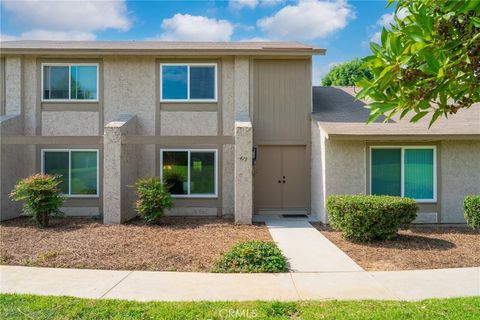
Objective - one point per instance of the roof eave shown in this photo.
(81, 51)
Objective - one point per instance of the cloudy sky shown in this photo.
(343, 27)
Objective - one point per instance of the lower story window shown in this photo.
(190, 173)
(78, 170)
(404, 171)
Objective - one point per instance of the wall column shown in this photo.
(243, 142)
(119, 170)
(13, 85)
(243, 171)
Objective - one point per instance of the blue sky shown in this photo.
(343, 27)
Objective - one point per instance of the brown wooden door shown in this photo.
(294, 171)
(280, 178)
(268, 168)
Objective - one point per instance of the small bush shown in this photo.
(471, 207)
(152, 199)
(252, 256)
(41, 195)
(368, 218)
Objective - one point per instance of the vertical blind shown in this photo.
(417, 169)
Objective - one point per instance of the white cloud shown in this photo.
(252, 4)
(386, 21)
(68, 19)
(39, 34)
(307, 20)
(185, 27)
(254, 39)
(70, 14)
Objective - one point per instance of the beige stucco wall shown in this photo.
(242, 86)
(460, 176)
(13, 85)
(11, 166)
(228, 100)
(69, 123)
(316, 179)
(130, 87)
(176, 123)
(228, 183)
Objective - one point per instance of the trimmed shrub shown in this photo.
(471, 207)
(42, 197)
(152, 199)
(368, 218)
(252, 256)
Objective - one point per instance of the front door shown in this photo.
(280, 179)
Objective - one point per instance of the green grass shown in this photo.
(43, 307)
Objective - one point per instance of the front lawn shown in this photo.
(178, 244)
(41, 307)
(421, 247)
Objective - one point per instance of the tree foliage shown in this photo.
(42, 197)
(347, 73)
(428, 62)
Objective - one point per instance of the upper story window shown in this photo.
(404, 171)
(196, 82)
(70, 82)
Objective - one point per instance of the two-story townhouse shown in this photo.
(235, 129)
(227, 125)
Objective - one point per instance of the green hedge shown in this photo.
(252, 256)
(471, 207)
(369, 218)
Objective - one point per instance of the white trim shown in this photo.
(69, 65)
(402, 169)
(69, 194)
(189, 151)
(188, 65)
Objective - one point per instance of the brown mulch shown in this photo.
(177, 244)
(420, 247)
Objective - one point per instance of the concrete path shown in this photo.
(306, 249)
(184, 286)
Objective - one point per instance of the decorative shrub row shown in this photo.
(471, 208)
(252, 256)
(368, 218)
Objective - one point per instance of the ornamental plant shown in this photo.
(428, 61)
(41, 195)
(471, 207)
(252, 256)
(152, 199)
(369, 218)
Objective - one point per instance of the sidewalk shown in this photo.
(184, 286)
(306, 249)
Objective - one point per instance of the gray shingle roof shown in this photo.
(341, 116)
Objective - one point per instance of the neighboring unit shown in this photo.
(228, 126)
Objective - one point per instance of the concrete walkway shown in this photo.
(306, 249)
(183, 286)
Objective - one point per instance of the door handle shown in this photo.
(279, 181)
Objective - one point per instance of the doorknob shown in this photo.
(279, 181)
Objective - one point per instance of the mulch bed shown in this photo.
(421, 247)
(177, 244)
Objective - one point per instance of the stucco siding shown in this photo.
(460, 166)
(129, 87)
(316, 179)
(228, 101)
(69, 123)
(30, 94)
(13, 85)
(188, 123)
(345, 167)
(228, 182)
(11, 166)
